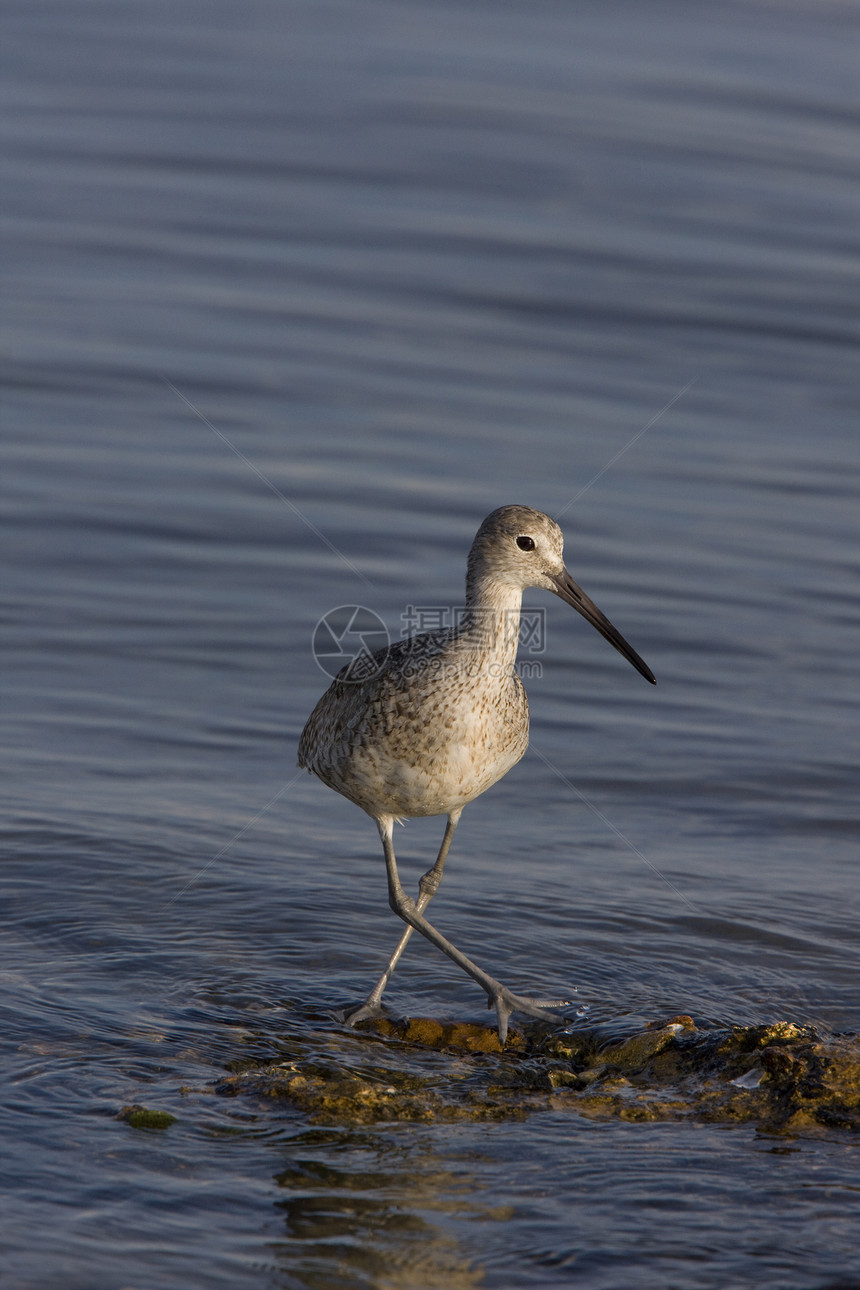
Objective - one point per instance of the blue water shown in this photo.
(295, 294)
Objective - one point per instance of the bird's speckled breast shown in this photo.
(423, 738)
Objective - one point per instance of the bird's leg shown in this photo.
(498, 995)
(427, 888)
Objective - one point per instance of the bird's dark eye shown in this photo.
(526, 543)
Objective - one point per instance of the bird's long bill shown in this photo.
(567, 589)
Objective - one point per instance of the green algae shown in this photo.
(142, 1117)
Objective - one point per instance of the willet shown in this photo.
(441, 716)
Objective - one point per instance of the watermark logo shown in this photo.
(354, 638)
(353, 644)
(417, 619)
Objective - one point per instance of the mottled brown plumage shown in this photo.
(441, 717)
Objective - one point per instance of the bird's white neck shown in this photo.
(491, 621)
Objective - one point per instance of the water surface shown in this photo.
(403, 264)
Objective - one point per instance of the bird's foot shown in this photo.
(505, 1002)
(370, 1008)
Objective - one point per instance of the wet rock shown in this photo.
(783, 1077)
(441, 1034)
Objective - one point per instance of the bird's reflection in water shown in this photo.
(382, 1209)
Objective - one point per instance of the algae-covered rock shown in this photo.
(447, 1034)
(783, 1077)
(142, 1117)
(343, 1097)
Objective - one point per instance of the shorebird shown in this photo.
(427, 725)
